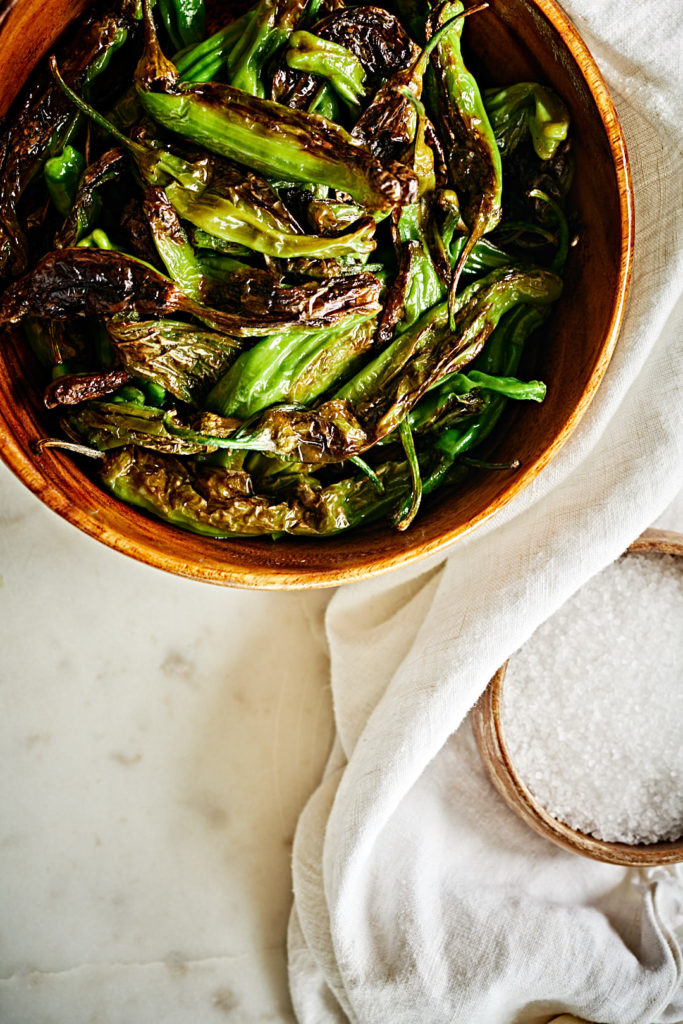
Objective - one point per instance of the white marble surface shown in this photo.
(158, 739)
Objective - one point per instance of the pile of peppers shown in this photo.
(280, 272)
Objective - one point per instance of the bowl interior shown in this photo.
(512, 40)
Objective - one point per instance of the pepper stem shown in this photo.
(420, 64)
(67, 446)
(369, 472)
(90, 112)
(562, 228)
(455, 279)
(404, 517)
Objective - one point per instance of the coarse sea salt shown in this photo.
(593, 704)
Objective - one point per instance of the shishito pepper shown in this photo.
(235, 219)
(502, 358)
(291, 368)
(79, 282)
(86, 204)
(425, 354)
(156, 164)
(74, 388)
(228, 284)
(266, 136)
(172, 244)
(269, 27)
(201, 63)
(527, 107)
(184, 359)
(373, 46)
(107, 425)
(185, 20)
(44, 125)
(238, 210)
(62, 174)
(462, 388)
(471, 150)
(417, 286)
(374, 402)
(308, 52)
(220, 503)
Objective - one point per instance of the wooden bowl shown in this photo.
(487, 725)
(511, 41)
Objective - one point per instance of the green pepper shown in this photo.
(124, 420)
(155, 163)
(456, 395)
(374, 402)
(128, 395)
(102, 62)
(418, 286)
(268, 137)
(484, 256)
(431, 350)
(155, 395)
(62, 174)
(196, 63)
(203, 240)
(329, 60)
(86, 205)
(256, 227)
(325, 103)
(85, 281)
(396, 116)
(269, 27)
(172, 244)
(502, 358)
(185, 20)
(557, 213)
(43, 127)
(390, 122)
(200, 63)
(471, 151)
(404, 516)
(181, 358)
(291, 368)
(330, 217)
(510, 387)
(98, 239)
(72, 387)
(279, 141)
(527, 108)
(219, 503)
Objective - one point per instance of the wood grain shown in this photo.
(487, 725)
(512, 40)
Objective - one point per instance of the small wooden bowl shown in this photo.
(487, 725)
(513, 40)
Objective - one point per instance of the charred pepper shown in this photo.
(270, 138)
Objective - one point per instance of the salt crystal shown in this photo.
(593, 704)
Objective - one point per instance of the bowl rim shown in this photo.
(236, 574)
(489, 734)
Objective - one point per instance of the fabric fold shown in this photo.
(419, 897)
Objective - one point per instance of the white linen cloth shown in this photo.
(419, 897)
